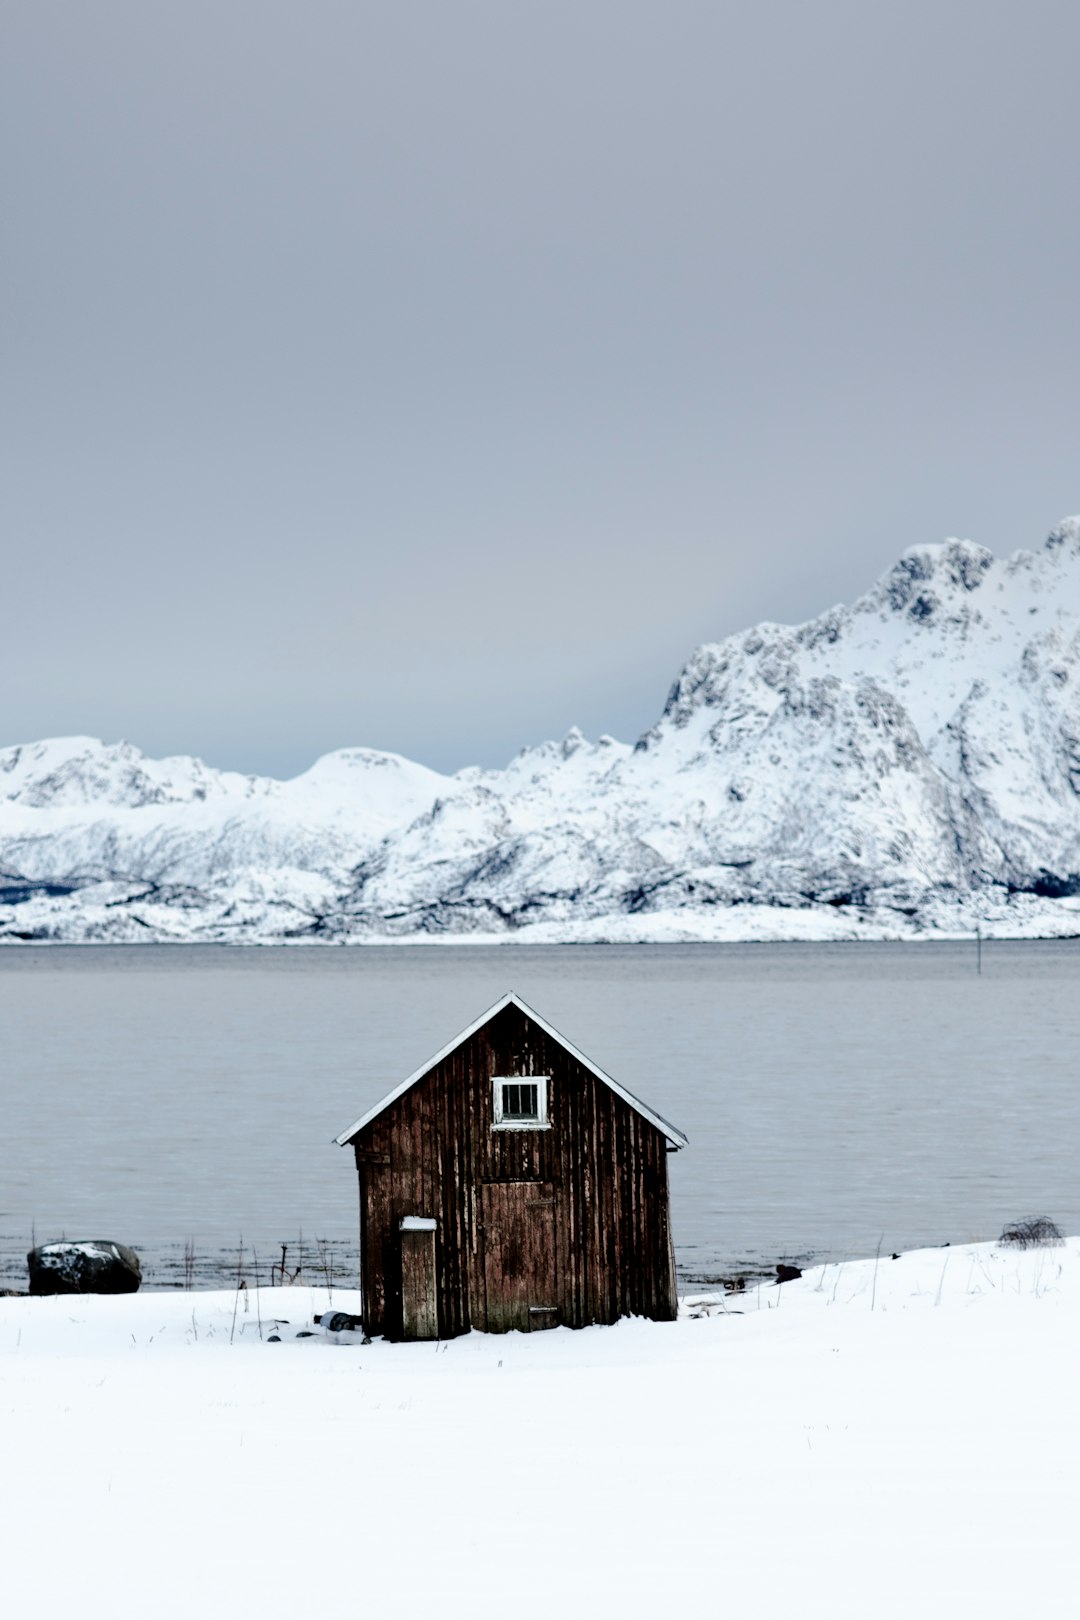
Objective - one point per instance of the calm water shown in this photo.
(835, 1096)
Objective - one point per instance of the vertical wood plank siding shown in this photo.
(433, 1151)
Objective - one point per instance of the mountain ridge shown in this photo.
(907, 764)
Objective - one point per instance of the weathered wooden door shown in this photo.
(419, 1300)
(519, 1256)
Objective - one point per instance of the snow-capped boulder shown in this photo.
(89, 1266)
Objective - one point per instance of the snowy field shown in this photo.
(891, 1438)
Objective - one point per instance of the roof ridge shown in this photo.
(676, 1137)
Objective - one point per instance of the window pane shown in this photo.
(520, 1101)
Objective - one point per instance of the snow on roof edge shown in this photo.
(676, 1137)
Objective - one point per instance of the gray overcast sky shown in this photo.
(435, 376)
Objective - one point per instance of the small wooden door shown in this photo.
(419, 1301)
(519, 1256)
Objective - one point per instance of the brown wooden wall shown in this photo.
(585, 1201)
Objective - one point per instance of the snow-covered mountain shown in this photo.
(907, 764)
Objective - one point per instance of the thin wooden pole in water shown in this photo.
(978, 950)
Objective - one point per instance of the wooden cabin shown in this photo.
(511, 1183)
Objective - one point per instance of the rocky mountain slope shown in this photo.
(907, 764)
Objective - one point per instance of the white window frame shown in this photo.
(540, 1122)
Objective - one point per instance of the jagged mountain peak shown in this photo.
(953, 603)
(574, 750)
(952, 567)
(66, 772)
(1064, 536)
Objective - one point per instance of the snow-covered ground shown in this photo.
(881, 1438)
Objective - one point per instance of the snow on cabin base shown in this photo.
(889, 1438)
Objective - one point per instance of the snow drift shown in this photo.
(904, 765)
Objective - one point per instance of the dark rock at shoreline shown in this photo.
(90, 1266)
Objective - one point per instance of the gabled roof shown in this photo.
(674, 1136)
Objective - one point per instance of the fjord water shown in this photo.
(836, 1096)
